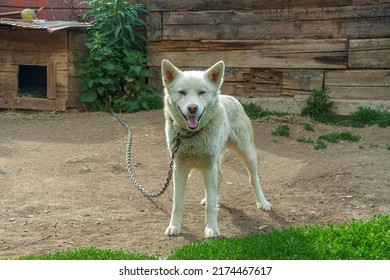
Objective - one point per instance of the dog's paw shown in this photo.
(172, 230)
(203, 201)
(265, 205)
(211, 233)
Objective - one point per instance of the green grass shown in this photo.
(90, 254)
(282, 130)
(319, 145)
(362, 240)
(352, 240)
(254, 111)
(368, 116)
(336, 137)
(308, 127)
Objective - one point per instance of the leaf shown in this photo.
(105, 81)
(108, 65)
(100, 90)
(117, 30)
(90, 82)
(89, 96)
(136, 69)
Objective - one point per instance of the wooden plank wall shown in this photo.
(277, 51)
(33, 47)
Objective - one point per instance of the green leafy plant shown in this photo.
(336, 137)
(368, 116)
(282, 130)
(319, 145)
(308, 127)
(320, 107)
(115, 72)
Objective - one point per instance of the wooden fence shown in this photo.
(277, 51)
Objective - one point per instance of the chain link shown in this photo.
(176, 144)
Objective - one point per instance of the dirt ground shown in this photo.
(64, 185)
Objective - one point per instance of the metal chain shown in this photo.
(176, 144)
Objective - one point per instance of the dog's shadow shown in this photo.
(248, 224)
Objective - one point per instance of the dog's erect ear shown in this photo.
(169, 72)
(215, 73)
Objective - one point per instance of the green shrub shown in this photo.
(319, 145)
(282, 130)
(320, 107)
(308, 127)
(115, 72)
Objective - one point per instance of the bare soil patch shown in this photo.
(64, 185)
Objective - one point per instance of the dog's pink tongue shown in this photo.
(192, 121)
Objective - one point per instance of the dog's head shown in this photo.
(193, 93)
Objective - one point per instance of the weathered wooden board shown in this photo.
(369, 53)
(359, 84)
(200, 5)
(33, 40)
(360, 92)
(8, 80)
(154, 31)
(74, 92)
(35, 58)
(253, 54)
(77, 40)
(339, 22)
(218, 17)
(373, 78)
(34, 104)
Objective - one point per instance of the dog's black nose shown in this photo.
(192, 108)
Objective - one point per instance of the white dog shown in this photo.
(208, 124)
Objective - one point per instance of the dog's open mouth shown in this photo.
(192, 120)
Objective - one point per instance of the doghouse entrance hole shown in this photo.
(32, 81)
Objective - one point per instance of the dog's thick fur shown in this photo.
(209, 123)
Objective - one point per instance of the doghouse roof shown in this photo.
(50, 26)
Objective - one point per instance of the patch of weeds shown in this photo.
(388, 147)
(303, 139)
(336, 137)
(320, 108)
(320, 145)
(254, 111)
(368, 116)
(282, 130)
(308, 127)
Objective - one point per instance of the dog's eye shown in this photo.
(202, 92)
(182, 92)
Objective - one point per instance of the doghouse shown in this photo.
(37, 64)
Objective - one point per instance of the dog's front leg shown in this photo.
(180, 176)
(210, 176)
